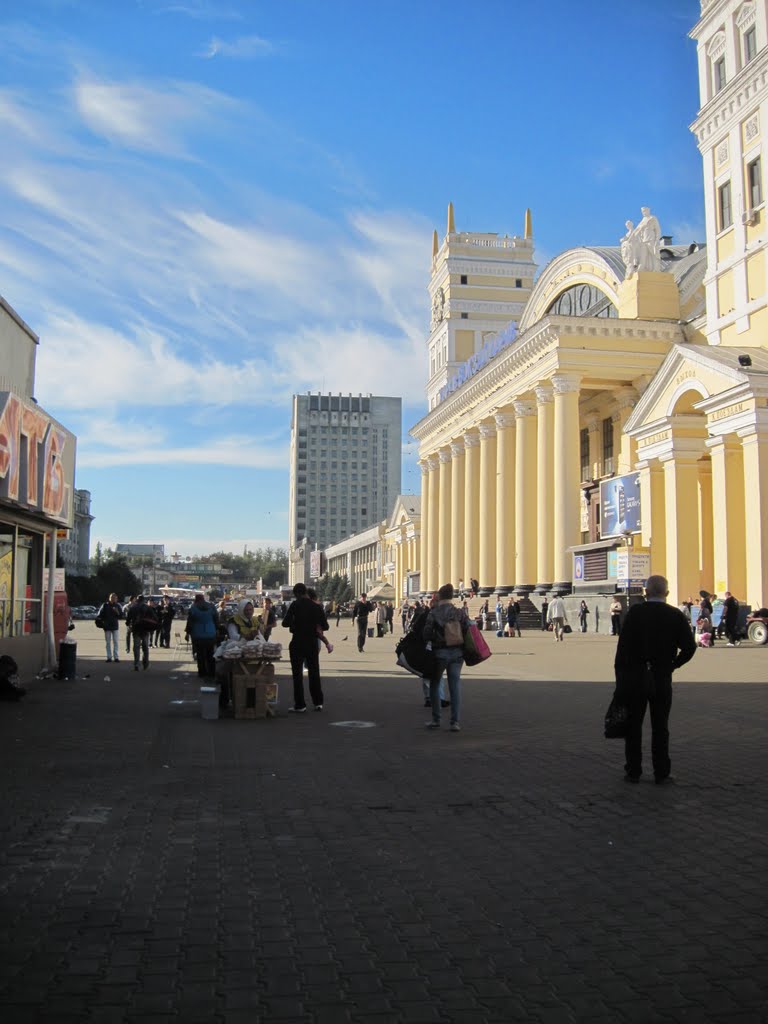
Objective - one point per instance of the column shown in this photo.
(755, 448)
(505, 501)
(681, 486)
(545, 469)
(471, 506)
(653, 519)
(567, 512)
(433, 529)
(728, 516)
(487, 551)
(627, 400)
(422, 564)
(525, 496)
(444, 519)
(457, 512)
(706, 534)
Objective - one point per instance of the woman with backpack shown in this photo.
(444, 630)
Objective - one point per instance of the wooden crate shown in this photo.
(254, 689)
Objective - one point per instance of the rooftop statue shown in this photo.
(640, 245)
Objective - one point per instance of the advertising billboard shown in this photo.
(316, 560)
(620, 505)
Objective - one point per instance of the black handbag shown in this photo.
(616, 720)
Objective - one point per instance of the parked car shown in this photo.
(84, 611)
(757, 626)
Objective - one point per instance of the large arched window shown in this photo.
(583, 300)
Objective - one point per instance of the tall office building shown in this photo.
(345, 465)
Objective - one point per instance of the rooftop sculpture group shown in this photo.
(640, 245)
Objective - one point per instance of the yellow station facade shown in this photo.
(639, 366)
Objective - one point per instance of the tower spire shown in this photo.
(528, 224)
(434, 243)
(451, 223)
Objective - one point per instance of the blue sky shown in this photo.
(209, 205)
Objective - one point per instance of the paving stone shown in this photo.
(317, 878)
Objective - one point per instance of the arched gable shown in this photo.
(600, 272)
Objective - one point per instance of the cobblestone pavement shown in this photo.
(158, 867)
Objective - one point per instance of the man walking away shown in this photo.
(361, 611)
(303, 618)
(142, 622)
(655, 639)
(731, 619)
(557, 616)
(201, 628)
(544, 611)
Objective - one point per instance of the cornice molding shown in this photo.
(747, 90)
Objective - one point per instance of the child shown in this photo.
(704, 630)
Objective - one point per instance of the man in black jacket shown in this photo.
(303, 619)
(655, 639)
(361, 611)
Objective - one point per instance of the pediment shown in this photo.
(407, 510)
(685, 369)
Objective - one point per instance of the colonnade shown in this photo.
(501, 499)
(702, 520)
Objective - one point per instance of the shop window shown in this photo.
(724, 206)
(21, 561)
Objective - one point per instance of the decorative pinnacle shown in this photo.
(451, 222)
(528, 224)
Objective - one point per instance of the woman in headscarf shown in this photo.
(242, 625)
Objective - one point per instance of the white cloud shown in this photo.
(143, 117)
(223, 451)
(244, 48)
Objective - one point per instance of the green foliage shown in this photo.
(112, 576)
(268, 564)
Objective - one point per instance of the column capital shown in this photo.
(544, 394)
(592, 421)
(471, 440)
(487, 430)
(424, 466)
(723, 441)
(457, 447)
(524, 409)
(566, 383)
(444, 455)
(432, 462)
(626, 398)
(504, 419)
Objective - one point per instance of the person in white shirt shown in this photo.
(558, 618)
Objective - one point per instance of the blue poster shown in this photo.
(620, 505)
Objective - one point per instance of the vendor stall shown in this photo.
(248, 668)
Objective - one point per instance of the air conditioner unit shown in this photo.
(749, 216)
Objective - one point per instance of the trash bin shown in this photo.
(67, 659)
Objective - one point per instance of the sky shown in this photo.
(207, 206)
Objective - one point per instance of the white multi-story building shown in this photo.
(345, 467)
(75, 551)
